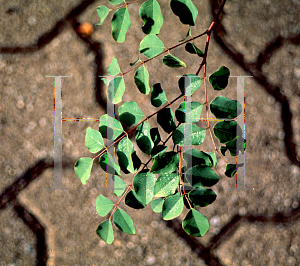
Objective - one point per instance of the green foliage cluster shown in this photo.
(162, 184)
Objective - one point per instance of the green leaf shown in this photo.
(123, 221)
(173, 61)
(223, 149)
(93, 140)
(213, 158)
(165, 163)
(151, 46)
(158, 96)
(141, 79)
(188, 134)
(188, 112)
(231, 169)
(151, 15)
(116, 2)
(105, 231)
(172, 207)
(143, 137)
(110, 128)
(120, 23)
(106, 81)
(192, 49)
(143, 184)
(189, 83)
(195, 223)
(166, 185)
(235, 146)
(219, 79)
(102, 12)
(103, 205)
(116, 89)
(83, 168)
(187, 35)
(194, 157)
(108, 164)
(202, 196)
(124, 151)
(120, 185)
(133, 201)
(165, 118)
(227, 130)
(223, 107)
(130, 113)
(156, 205)
(201, 175)
(185, 10)
(158, 150)
(113, 69)
(155, 136)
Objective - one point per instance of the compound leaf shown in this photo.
(188, 134)
(141, 79)
(219, 79)
(103, 205)
(120, 23)
(93, 140)
(105, 231)
(151, 15)
(130, 113)
(185, 10)
(143, 184)
(195, 223)
(83, 168)
(234, 146)
(166, 185)
(124, 222)
(172, 207)
(173, 61)
(223, 107)
(151, 46)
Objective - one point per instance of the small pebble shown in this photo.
(150, 260)
(20, 104)
(117, 243)
(31, 21)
